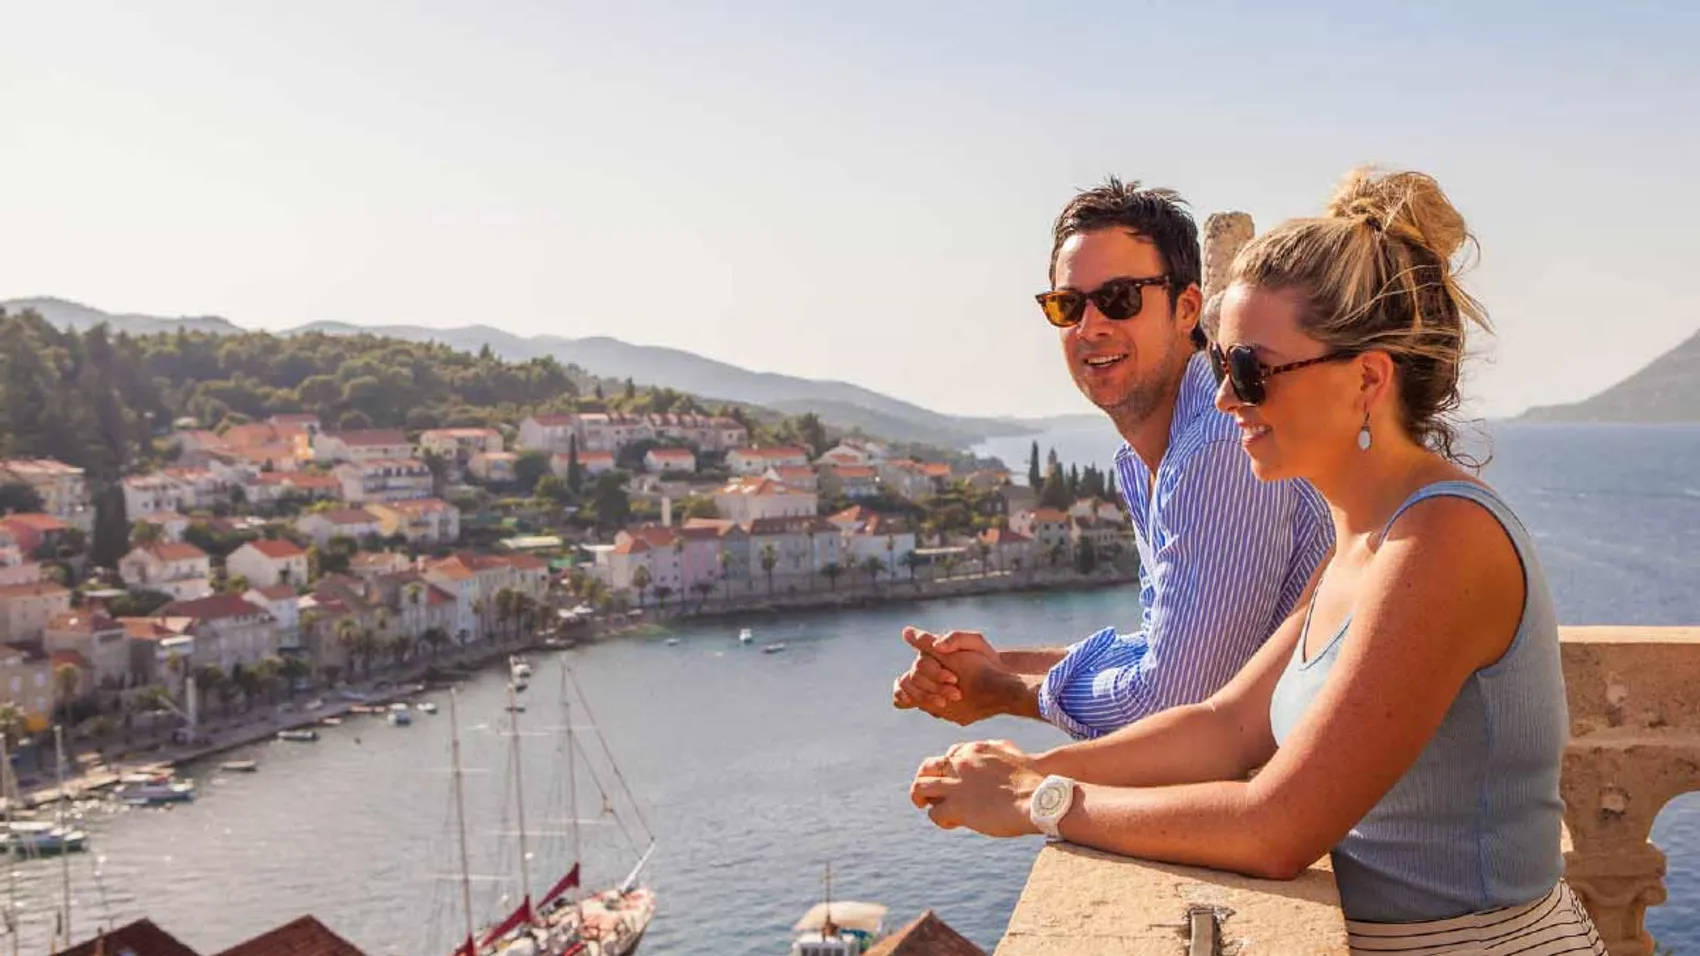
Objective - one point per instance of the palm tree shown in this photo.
(662, 593)
(872, 566)
(505, 608)
(984, 550)
(912, 562)
(66, 681)
(832, 569)
(769, 559)
(366, 645)
(950, 561)
(13, 723)
(640, 581)
(890, 547)
(703, 588)
(1057, 552)
(293, 669)
(726, 571)
(347, 635)
(435, 638)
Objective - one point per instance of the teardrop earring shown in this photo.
(1364, 437)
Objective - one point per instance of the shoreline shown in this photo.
(417, 676)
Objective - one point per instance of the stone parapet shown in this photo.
(1635, 744)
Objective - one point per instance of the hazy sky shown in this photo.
(852, 190)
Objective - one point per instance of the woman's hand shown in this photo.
(985, 786)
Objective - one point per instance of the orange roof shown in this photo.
(1049, 514)
(277, 549)
(43, 523)
(145, 628)
(784, 451)
(656, 536)
(935, 469)
(277, 592)
(61, 658)
(1002, 536)
(855, 471)
(303, 937)
(214, 608)
(346, 516)
(172, 551)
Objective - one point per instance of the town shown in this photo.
(278, 556)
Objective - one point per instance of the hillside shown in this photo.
(1663, 392)
(841, 403)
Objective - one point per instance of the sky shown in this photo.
(851, 191)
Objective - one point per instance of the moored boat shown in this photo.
(745, 637)
(400, 718)
(425, 707)
(774, 648)
(41, 838)
(239, 766)
(298, 735)
(153, 789)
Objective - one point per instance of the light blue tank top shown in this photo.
(1474, 823)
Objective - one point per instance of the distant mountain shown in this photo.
(74, 315)
(840, 403)
(1667, 390)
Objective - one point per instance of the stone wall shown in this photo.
(1225, 233)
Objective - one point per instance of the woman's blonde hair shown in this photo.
(1378, 272)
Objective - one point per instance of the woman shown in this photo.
(1410, 716)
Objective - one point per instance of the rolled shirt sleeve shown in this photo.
(1223, 550)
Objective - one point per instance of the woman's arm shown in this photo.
(1441, 599)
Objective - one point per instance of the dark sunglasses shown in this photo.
(1118, 299)
(1239, 365)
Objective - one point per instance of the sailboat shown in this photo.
(560, 922)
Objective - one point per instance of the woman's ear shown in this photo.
(1375, 384)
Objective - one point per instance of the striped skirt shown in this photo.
(1554, 925)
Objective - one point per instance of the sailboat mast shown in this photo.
(519, 792)
(572, 762)
(460, 817)
(64, 858)
(7, 790)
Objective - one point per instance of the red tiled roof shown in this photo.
(277, 592)
(855, 471)
(74, 659)
(142, 938)
(40, 522)
(172, 551)
(1002, 536)
(278, 549)
(32, 589)
(787, 451)
(145, 628)
(214, 608)
(656, 536)
(631, 546)
(1049, 514)
(927, 935)
(302, 937)
(526, 562)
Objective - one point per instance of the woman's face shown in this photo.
(1308, 421)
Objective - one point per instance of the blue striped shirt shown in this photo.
(1223, 558)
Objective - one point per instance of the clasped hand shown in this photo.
(986, 786)
(957, 677)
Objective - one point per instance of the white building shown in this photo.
(747, 500)
(553, 433)
(63, 489)
(152, 494)
(283, 603)
(322, 526)
(384, 479)
(364, 445)
(658, 460)
(754, 461)
(178, 569)
(426, 521)
(265, 563)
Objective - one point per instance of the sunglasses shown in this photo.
(1118, 299)
(1239, 365)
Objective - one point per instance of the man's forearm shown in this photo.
(1032, 661)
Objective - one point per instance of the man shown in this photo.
(1223, 557)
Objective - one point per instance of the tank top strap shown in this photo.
(1480, 494)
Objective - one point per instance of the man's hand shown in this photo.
(957, 677)
(986, 786)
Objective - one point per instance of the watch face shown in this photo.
(1047, 799)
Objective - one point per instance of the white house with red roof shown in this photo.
(747, 499)
(26, 609)
(801, 477)
(851, 481)
(383, 479)
(754, 461)
(267, 562)
(1048, 527)
(97, 638)
(362, 445)
(427, 521)
(228, 629)
(176, 568)
(63, 488)
(322, 526)
(552, 433)
(591, 463)
(151, 494)
(659, 460)
(460, 444)
(283, 603)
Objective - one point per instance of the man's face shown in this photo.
(1125, 368)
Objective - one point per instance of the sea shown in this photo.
(758, 772)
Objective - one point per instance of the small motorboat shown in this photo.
(400, 718)
(519, 668)
(41, 838)
(313, 704)
(774, 648)
(239, 766)
(153, 789)
(672, 642)
(298, 735)
(330, 722)
(745, 637)
(425, 707)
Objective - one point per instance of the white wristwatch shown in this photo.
(1049, 804)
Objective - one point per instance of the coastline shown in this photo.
(414, 677)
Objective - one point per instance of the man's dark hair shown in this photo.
(1157, 214)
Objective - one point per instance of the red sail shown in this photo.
(518, 918)
(567, 882)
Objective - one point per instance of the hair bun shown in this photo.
(1407, 205)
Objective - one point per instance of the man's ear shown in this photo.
(1189, 307)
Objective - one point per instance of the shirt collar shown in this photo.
(1197, 399)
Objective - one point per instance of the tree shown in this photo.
(144, 533)
(529, 468)
(1034, 477)
(726, 571)
(703, 588)
(575, 472)
(769, 559)
(505, 609)
(13, 723)
(640, 581)
(17, 497)
(1054, 492)
(1085, 556)
(111, 527)
(609, 499)
(911, 562)
(662, 593)
(872, 566)
(700, 506)
(832, 569)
